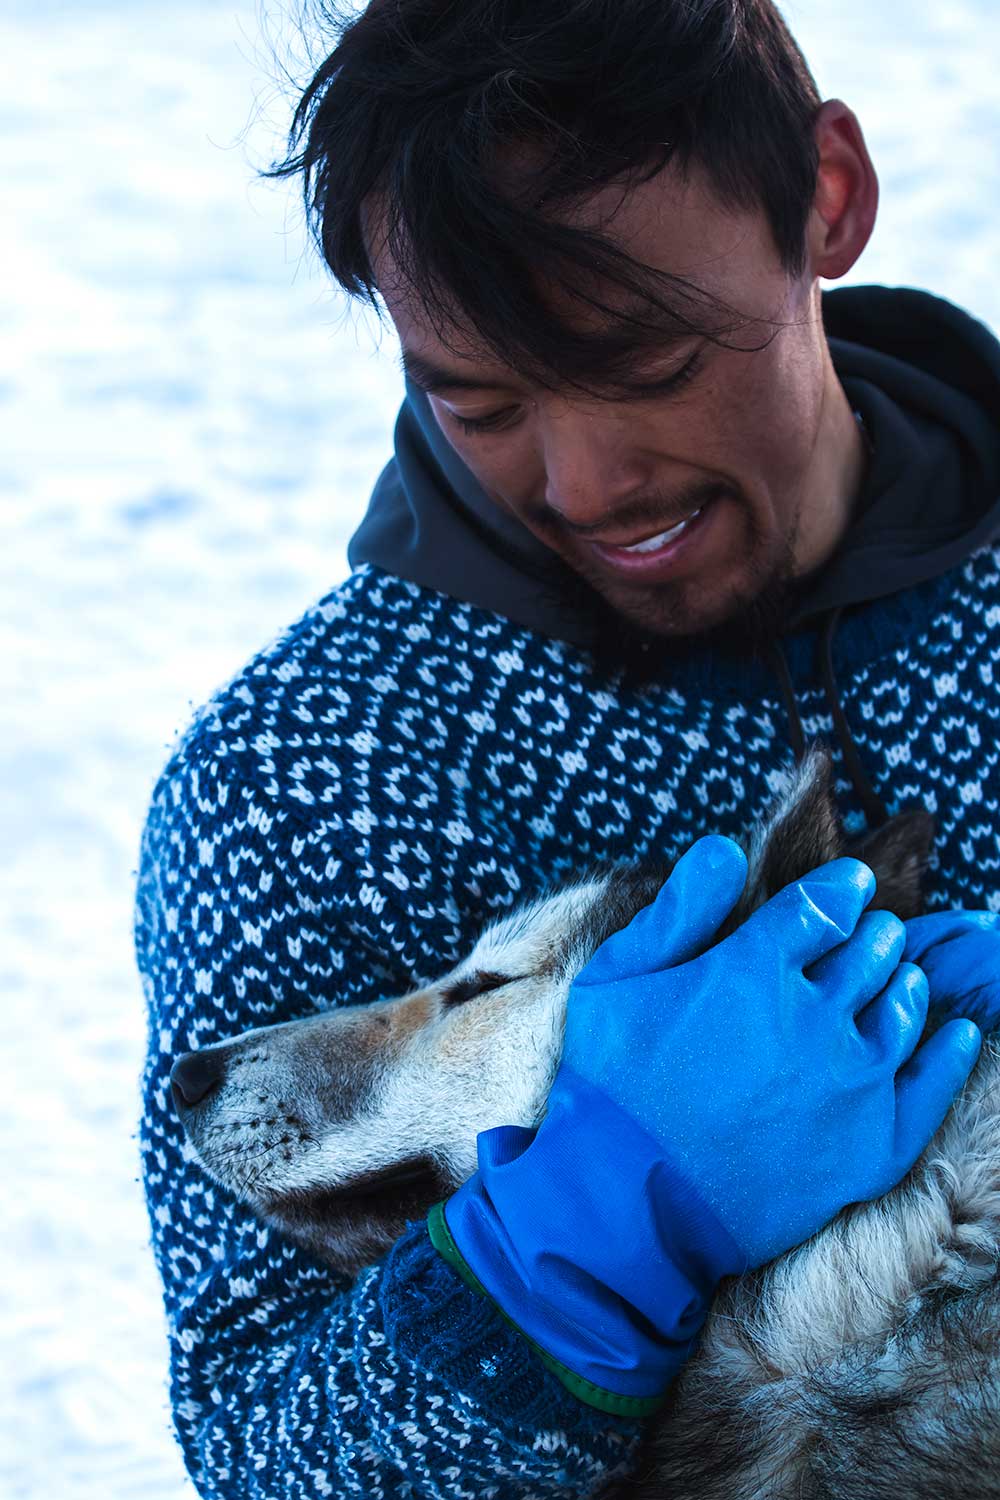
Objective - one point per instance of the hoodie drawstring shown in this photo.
(876, 812)
(779, 666)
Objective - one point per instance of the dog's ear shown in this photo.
(898, 853)
(803, 829)
(800, 830)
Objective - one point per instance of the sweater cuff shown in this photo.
(593, 1245)
(435, 1321)
(632, 1407)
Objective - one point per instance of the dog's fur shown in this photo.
(865, 1363)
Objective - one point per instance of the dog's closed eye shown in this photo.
(478, 983)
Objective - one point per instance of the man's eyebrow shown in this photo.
(430, 377)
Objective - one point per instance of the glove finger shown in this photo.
(960, 954)
(923, 933)
(690, 907)
(892, 1023)
(860, 967)
(810, 917)
(927, 1085)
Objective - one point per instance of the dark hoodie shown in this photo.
(923, 375)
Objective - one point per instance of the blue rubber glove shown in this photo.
(959, 951)
(711, 1109)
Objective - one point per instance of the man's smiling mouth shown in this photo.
(653, 543)
(656, 556)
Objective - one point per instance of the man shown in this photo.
(658, 511)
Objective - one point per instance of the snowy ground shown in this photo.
(191, 428)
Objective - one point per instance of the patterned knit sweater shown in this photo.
(335, 826)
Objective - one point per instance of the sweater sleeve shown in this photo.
(285, 1378)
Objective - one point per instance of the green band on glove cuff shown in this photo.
(577, 1385)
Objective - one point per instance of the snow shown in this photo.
(192, 421)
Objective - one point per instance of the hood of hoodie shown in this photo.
(922, 374)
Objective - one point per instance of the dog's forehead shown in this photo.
(565, 927)
(530, 937)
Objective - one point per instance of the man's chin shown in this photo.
(635, 629)
(676, 613)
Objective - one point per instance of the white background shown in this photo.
(191, 421)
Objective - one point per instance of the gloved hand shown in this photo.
(710, 1110)
(959, 951)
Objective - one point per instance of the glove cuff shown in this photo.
(592, 1245)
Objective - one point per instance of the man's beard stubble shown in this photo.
(637, 652)
(643, 656)
(640, 647)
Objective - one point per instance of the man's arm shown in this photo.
(285, 1379)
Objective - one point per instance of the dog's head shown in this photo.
(339, 1128)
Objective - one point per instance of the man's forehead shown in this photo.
(672, 224)
(440, 352)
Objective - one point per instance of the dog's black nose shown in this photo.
(195, 1074)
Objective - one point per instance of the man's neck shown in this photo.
(835, 480)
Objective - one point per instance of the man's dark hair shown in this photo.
(462, 120)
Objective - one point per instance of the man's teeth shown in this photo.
(653, 542)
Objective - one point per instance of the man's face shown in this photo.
(720, 468)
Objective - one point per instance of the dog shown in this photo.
(863, 1363)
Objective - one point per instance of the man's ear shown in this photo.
(845, 204)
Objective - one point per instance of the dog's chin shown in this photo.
(354, 1225)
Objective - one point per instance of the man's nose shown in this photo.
(195, 1075)
(591, 468)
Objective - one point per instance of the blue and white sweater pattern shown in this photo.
(335, 826)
